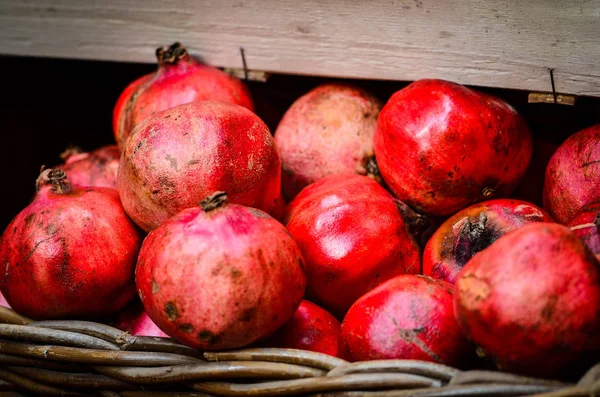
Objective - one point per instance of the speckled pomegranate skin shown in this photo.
(450, 247)
(183, 154)
(441, 146)
(311, 328)
(178, 80)
(97, 168)
(69, 254)
(531, 301)
(353, 238)
(408, 317)
(327, 131)
(220, 279)
(573, 175)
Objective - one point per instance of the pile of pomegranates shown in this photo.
(360, 228)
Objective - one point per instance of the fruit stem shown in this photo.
(213, 201)
(58, 179)
(171, 55)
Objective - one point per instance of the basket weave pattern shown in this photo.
(79, 358)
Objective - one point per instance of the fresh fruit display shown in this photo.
(71, 252)
(353, 238)
(586, 226)
(573, 175)
(181, 155)
(220, 275)
(180, 79)
(327, 131)
(531, 300)
(441, 146)
(310, 328)
(472, 230)
(429, 232)
(407, 317)
(97, 168)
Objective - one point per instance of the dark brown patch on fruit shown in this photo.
(171, 311)
(186, 328)
(248, 315)
(235, 273)
(549, 307)
(29, 218)
(207, 337)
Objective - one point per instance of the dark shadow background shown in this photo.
(49, 104)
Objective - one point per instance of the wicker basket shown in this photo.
(77, 358)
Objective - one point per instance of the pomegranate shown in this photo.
(98, 168)
(180, 79)
(532, 184)
(473, 229)
(220, 276)
(71, 252)
(310, 328)
(586, 226)
(327, 131)
(441, 146)
(573, 175)
(183, 154)
(352, 236)
(531, 301)
(407, 317)
(136, 321)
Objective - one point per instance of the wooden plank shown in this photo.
(501, 43)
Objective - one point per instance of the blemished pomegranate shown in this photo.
(441, 146)
(407, 317)
(586, 226)
(220, 276)
(573, 175)
(352, 237)
(180, 79)
(472, 230)
(183, 154)
(97, 168)
(327, 131)
(310, 328)
(531, 300)
(71, 252)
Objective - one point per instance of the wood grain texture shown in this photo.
(498, 43)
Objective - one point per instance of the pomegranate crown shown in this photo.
(57, 178)
(171, 55)
(213, 201)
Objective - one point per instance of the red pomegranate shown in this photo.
(473, 229)
(327, 131)
(97, 168)
(573, 175)
(531, 300)
(71, 252)
(180, 79)
(220, 276)
(441, 146)
(408, 317)
(185, 153)
(352, 236)
(586, 226)
(532, 184)
(136, 321)
(310, 328)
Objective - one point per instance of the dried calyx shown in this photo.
(57, 178)
(213, 201)
(474, 236)
(171, 55)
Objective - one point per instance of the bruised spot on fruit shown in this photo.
(235, 273)
(171, 311)
(206, 336)
(248, 315)
(166, 184)
(549, 307)
(155, 287)
(257, 213)
(172, 160)
(28, 219)
(473, 289)
(186, 328)
(193, 162)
